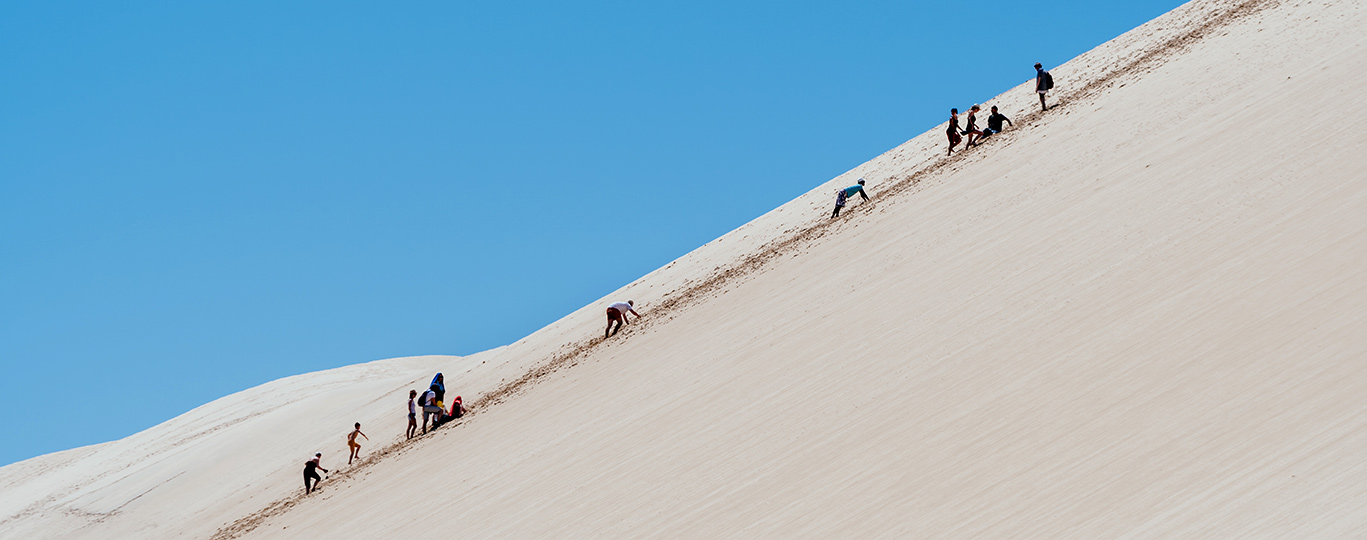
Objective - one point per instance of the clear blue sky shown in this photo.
(200, 197)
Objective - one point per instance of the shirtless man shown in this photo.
(618, 313)
(355, 446)
(311, 468)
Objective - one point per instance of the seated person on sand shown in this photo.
(618, 313)
(457, 410)
(994, 122)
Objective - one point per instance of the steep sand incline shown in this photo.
(1142, 314)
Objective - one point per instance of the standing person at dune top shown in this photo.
(618, 313)
(1044, 82)
(844, 194)
(311, 468)
(355, 446)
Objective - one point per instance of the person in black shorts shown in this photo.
(971, 127)
(311, 468)
(412, 413)
(994, 122)
(953, 131)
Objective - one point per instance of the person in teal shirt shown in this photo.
(842, 195)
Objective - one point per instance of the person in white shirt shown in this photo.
(618, 313)
(429, 408)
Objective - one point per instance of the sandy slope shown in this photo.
(1142, 314)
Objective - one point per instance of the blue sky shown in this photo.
(200, 197)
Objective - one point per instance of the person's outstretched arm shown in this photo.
(363, 434)
(633, 312)
(862, 194)
(1008, 121)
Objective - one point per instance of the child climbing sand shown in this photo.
(355, 446)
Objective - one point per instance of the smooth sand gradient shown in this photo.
(1142, 314)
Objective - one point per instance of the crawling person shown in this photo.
(355, 446)
(311, 468)
(844, 194)
(618, 313)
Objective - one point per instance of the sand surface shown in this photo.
(1142, 314)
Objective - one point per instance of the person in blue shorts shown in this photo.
(843, 195)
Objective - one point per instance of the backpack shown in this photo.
(1048, 81)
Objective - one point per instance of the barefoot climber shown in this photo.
(311, 474)
(355, 446)
(618, 313)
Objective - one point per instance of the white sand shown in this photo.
(1142, 314)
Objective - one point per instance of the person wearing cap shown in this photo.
(971, 126)
(311, 468)
(1043, 83)
(952, 132)
(994, 122)
(843, 195)
(617, 313)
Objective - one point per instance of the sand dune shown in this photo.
(1140, 314)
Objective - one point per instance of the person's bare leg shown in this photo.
(1042, 107)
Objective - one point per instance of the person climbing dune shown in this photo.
(355, 446)
(953, 131)
(1044, 82)
(412, 414)
(430, 410)
(971, 127)
(618, 313)
(311, 468)
(844, 194)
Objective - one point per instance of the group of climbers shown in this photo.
(432, 401)
(1044, 82)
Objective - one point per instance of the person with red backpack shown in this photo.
(457, 408)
